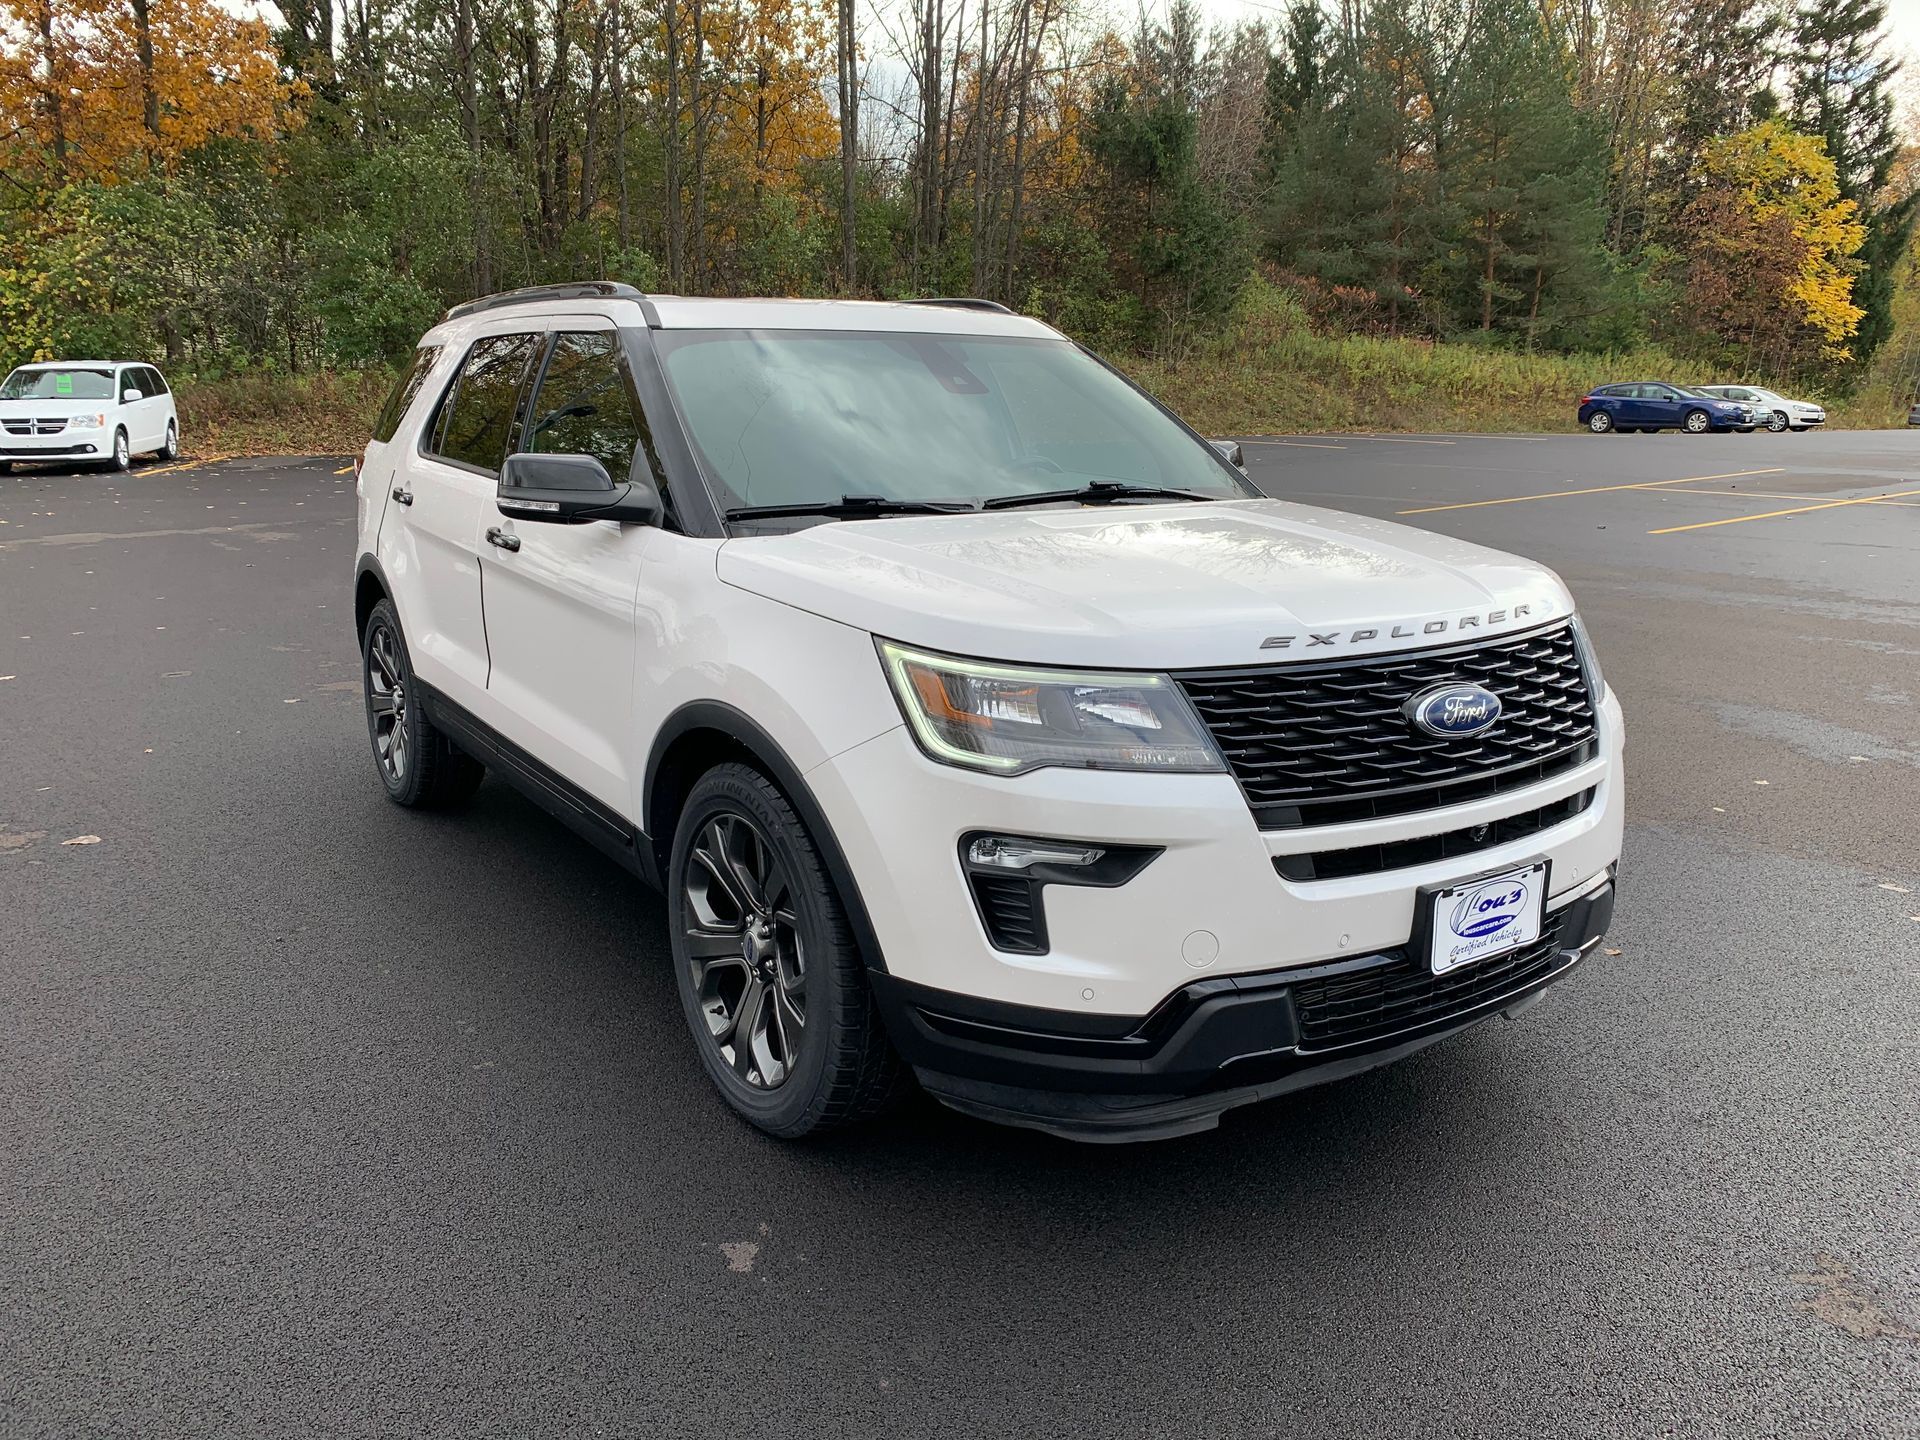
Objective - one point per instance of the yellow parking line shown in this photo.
(1594, 490)
(1403, 440)
(344, 470)
(1774, 514)
(1302, 444)
(1777, 495)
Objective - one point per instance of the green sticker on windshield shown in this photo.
(63, 384)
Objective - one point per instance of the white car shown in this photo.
(1771, 408)
(974, 715)
(87, 410)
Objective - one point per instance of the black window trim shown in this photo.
(685, 492)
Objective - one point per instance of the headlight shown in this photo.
(1009, 718)
(86, 422)
(1583, 644)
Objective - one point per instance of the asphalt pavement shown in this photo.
(322, 1117)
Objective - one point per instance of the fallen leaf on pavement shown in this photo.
(1897, 889)
(1613, 952)
(82, 840)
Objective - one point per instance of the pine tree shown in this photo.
(1841, 87)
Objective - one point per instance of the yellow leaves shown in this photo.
(212, 74)
(1779, 174)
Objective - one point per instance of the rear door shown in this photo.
(561, 598)
(429, 545)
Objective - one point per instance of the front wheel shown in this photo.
(122, 452)
(773, 985)
(1600, 422)
(1697, 422)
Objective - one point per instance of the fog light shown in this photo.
(1004, 852)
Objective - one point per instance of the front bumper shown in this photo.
(52, 447)
(1214, 1044)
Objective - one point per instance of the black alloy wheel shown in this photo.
(773, 985)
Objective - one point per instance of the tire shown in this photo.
(1629, 429)
(1777, 421)
(6, 467)
(1697, 422)
(122, 456)
(170, 450)
(1600, 422)
(761, 941)
(421, 768)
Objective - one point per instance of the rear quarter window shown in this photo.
(401, 397)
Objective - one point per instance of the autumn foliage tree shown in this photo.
(1770, 247)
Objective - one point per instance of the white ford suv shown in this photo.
(86, 410)
(974, 715)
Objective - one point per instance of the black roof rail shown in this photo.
(963, 302)
(572, 290)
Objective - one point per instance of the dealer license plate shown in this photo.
(1486, 917)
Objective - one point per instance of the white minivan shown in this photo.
(87, 410)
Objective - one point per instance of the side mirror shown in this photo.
(572, 489)
(127, 397)
(1230, 452)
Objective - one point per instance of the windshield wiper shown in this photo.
(850, 507)
(1097, 492)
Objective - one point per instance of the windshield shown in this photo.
(60, 383)
(792, 417)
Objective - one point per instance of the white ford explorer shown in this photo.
(975, 716)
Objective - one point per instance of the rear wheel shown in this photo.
(1777, 421)
(1600, 422)
(773, 985)
(170, 450)
(418, 764)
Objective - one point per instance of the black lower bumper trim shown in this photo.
(1208, 1047)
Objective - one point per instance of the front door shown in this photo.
(443, 493)
(560, 598)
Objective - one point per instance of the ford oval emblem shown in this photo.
(1454, 712)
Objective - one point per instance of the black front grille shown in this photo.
(1425, 849)
(1322, 744)
(1404, 995)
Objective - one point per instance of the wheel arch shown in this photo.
(369, 589)
(705, 733)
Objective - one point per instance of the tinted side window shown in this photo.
(585, 405)
(401, 396)
(159, 382)
(481, 409)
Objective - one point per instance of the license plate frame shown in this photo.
(1440, 945)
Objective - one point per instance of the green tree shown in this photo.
(1842, 91)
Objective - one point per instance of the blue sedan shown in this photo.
(1656, 405)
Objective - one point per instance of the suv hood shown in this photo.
(1155, 586)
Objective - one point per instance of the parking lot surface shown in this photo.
(322, 1117)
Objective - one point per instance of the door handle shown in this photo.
(502, 538)
(404, 496)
